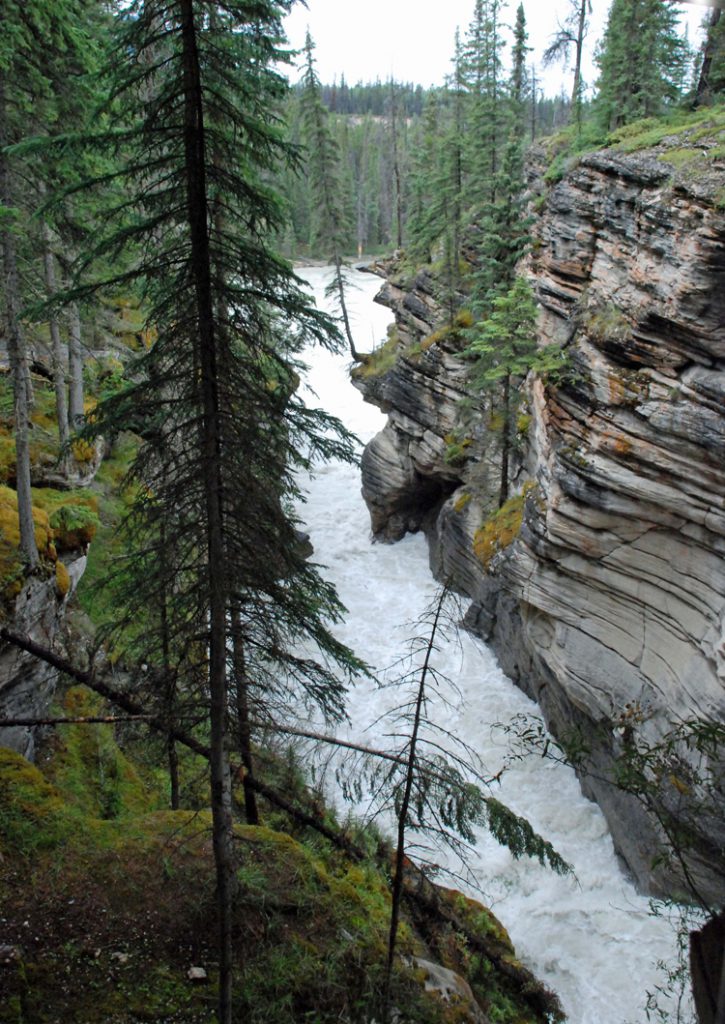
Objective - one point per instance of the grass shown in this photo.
(687, 139)
(677, 129)
(381, 359)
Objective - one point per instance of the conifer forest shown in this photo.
(362, 517)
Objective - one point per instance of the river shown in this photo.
(591, 938)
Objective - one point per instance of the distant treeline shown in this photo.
(362, 123)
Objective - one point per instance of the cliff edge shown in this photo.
(602, 584)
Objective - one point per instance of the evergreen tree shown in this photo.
(424, 221)
(711, 78)
(483, 75)
(329, 228)
(503, 226)
(504, 350)
(214, 396)
(31, 79)
(640, 62)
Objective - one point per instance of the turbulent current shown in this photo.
(591, 937)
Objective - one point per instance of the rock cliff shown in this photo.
(603, 592)
(27, 685)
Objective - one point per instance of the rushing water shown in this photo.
(590, 938)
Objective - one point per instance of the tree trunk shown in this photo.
(576, 93)
(533, 102)
(340, 283)
(703, 83)
(57, 349)
(505, 441)
(396, 170)
(206, 342)
(17, 356)
(399, 876)
(251, 811)
(76, 411)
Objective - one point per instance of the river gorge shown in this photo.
(592, 938)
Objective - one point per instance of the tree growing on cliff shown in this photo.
(502, 222)
(216, 391)
(503, 351)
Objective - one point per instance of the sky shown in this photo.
(412, 40)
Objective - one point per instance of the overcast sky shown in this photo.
(412, 40)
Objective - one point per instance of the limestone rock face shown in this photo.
(611, 601)
(26, 684)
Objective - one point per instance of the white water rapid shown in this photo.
(591, 939)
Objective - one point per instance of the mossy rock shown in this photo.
(501, 529)
(74, 526)
(12, 571)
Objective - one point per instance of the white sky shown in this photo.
(412, 40)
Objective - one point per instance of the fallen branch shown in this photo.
(11, 723)
(423, 896)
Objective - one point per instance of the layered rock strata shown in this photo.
(609, 607)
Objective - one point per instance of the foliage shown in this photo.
(641, 62)
(74, 526)
(121, 904)
(501, 529)
(503, 348)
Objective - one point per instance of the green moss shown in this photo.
(74, 526)
(456, 449)
(381, 360)
(679, 127)
(90, 768)
(461, 502)
(501, 529)
(606, 323)
(11, 563)
(452, 332)
(33, 814)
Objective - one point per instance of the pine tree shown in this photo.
(711, 79)
(329, 228)
(503, 226)
(640, 62)
(504, 349)
(215, 394)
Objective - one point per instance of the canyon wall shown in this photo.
(602, 586)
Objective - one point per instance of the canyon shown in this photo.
(601, 584)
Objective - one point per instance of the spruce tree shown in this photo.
(640, 62)
(328, 223)
(502, 223)
(483, 75)
(215, 394)
(504, 350)
(31, 78)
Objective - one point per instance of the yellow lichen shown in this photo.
(62, 579)
(461, 502)
(501, 529)
(83, 451)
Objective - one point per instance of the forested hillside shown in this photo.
(166, 635)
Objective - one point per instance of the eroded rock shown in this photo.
(613, 594)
